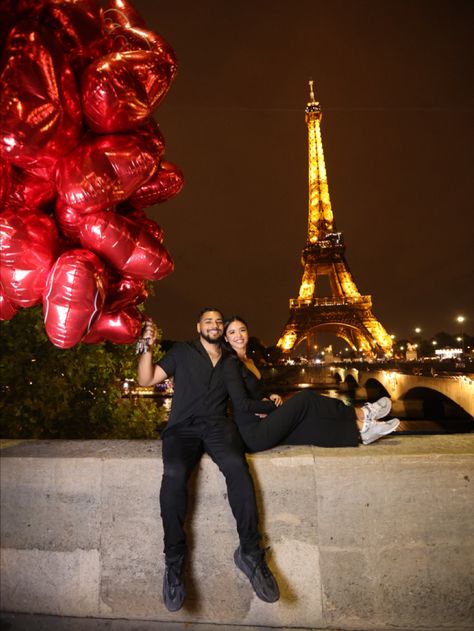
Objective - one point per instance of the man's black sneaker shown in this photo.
(173, 585)
(257, 571)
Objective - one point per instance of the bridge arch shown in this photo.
(435, 404)
(459, 389)
(375, 389)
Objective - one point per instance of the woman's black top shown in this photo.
(306, 418)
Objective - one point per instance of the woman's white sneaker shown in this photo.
(379, 409)
(376, 430)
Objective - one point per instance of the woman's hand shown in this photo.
(276, 398)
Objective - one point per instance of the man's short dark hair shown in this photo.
(203, 311)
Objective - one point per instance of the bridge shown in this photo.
(399, 386)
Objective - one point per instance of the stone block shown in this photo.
(371, 538)
(43, 581)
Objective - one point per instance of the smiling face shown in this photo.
(211, 326)
(237, 336)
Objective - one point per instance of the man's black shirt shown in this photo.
(199, 389)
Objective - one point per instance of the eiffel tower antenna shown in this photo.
(345, 312)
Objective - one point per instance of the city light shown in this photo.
(461, 319)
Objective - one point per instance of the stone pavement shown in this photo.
(26, 622)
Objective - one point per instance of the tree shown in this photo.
(47, 392)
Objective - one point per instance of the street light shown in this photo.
(461, 319)
(418, 343)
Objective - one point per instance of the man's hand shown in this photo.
(149, 374)
(150, 332)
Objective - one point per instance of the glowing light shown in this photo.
(287, 341)
(324, 256)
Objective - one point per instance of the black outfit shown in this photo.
(198, 424)
(307, 418)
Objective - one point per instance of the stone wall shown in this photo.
(376, 537)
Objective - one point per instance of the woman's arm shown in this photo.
(236, 388)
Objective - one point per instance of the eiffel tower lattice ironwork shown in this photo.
(345, 313)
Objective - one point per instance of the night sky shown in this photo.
(395, 83)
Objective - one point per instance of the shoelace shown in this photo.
(261, 563)
(174, 572)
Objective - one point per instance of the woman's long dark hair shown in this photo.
(225, 345)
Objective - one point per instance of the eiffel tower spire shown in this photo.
(320, 217)
(345, 313)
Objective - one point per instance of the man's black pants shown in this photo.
(183, 446)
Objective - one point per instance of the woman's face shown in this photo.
(237, 336)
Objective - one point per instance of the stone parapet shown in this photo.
(378, 537)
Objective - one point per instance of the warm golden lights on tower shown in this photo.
(320, 217)
(345, 313)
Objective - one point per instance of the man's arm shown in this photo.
(149, 374)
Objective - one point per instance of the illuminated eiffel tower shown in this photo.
(345, 313)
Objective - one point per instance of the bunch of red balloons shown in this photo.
(80, 158)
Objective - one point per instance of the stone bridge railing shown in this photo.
(458, 388)
(375, 537)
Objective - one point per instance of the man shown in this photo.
(198, 424)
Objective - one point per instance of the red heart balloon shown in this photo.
(69, 220)
(78, 27)
(124, 291)
(7, 308)
(150, 132)
(120, 90)
(73, 297)
(105, 170)
(167, 182)
(121, 13)
(5, 182)
(30, 191)
(126, 246)
(139, 217)
(28, 248)
(12, 11)
(126, 37)
(40, 114)
(119, 327)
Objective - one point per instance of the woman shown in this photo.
(307, 418)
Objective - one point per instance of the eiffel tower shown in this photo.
(345, 313)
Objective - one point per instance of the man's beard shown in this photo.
(212, 340)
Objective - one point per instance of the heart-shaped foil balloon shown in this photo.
(29, 245)
(126, 246)
(73, 297)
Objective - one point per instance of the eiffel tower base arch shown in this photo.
(355, 324)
